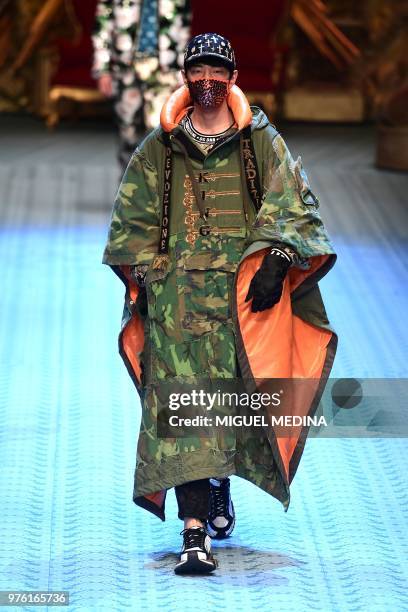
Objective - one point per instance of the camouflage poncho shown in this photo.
(198, 323)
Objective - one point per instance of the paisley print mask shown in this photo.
(208, 93)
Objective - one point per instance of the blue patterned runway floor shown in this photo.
(70, 416)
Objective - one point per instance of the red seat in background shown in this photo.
(75, 58)
(250, 27)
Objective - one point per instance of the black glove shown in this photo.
(141, 302)
(266, 286)
(139, 274)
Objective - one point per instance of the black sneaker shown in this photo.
(221, 516)
(195, 556)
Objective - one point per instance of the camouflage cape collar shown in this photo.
(259, 121)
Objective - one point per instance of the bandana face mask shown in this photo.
(208, 93)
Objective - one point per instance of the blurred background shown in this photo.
(307, 60)
(332, 76)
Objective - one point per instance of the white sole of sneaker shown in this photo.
(194, 563)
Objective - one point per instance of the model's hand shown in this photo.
(105, 85)
(266, 286)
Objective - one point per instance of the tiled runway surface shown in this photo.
(70, 416)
